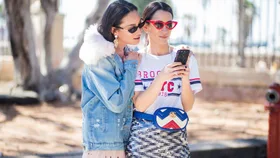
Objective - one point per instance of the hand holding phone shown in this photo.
(182, 56)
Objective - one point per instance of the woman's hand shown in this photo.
(171, 71)
(132, 56)
(185, 75)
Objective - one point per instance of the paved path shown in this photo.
(209, 121)
(227, 120)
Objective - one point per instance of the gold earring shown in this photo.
(116, 42)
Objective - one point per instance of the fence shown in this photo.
(210, 28)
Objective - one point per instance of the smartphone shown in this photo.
(182, 56)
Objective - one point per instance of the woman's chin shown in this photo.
(135, 42)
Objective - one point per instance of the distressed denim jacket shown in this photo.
(107, 90)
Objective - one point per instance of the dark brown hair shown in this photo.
(112, 17)
(152, 7)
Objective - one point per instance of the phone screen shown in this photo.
(182, 56)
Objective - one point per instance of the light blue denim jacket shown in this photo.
(107, 90)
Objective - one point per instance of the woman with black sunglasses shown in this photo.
(108, 80)
(164, 91)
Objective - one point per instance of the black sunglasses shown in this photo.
(134, 28)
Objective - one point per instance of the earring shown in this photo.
(116, 42)
(146, 40)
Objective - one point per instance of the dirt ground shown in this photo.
(53, 128)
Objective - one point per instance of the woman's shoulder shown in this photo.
(95, 46)
(143, 53)
(142, 50)
(105, 64)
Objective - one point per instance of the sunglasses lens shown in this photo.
(133, 29)
(170, 25)
(158, 25)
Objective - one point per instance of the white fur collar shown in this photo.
(95, 46)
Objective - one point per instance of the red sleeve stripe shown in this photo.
(195, 79)
(137, 80)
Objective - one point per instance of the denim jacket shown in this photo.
(107, 90)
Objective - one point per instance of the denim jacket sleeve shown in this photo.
(102, 81)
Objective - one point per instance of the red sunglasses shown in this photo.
(160, 24)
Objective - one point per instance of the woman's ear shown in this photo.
(146, 28)
(113, 31)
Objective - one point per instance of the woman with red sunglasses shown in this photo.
(164, 91)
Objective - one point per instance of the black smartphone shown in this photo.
(182, 56)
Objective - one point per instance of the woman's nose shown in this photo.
(139, 30)
(165, 29)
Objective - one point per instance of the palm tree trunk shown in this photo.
(50, 9)
(72, 62)
(241, 33)
(27, 70)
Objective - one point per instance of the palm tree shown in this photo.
(27, 69)
(245, 20)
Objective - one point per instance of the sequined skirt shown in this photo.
(147, 141)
